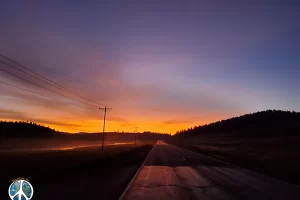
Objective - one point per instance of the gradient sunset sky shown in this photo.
(161, 65)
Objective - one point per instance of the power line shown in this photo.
(136, 129)
(114, 114)
(43, 86)
(52, 83)
(135, 132)
(41, 94)
(105, 109)
(48, 81)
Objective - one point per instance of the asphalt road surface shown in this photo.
(171, 172)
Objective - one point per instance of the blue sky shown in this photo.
(189, 62)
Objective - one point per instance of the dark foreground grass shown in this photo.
(85, 173)
(277, 157)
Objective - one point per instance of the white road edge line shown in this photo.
(135, 175)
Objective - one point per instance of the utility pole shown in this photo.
(135, 135)
(105, 109)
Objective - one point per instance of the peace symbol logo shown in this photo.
(20, 189)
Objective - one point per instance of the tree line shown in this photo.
(24, 129)
(269, 122)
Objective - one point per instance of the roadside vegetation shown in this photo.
(267, 142)
(83, 170)
(70, 166)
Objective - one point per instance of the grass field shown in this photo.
(83, 170)
(277, 157)
(24, 144)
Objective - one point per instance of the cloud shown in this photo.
(172, 122)
(148, 69)
(117, 119)
(6, 114)
(178, 121)
(10, 114)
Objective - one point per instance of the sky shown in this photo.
(160, 65)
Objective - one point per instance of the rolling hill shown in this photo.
(264, 123)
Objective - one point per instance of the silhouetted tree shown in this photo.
(269, 122)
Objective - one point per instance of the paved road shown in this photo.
(171, 172)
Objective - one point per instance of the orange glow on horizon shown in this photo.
(95, 126)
